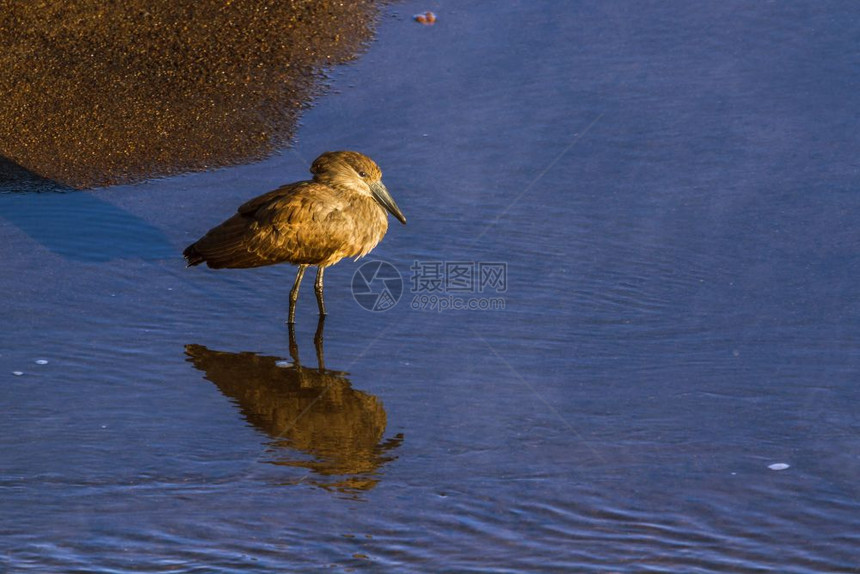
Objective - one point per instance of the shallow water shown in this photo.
(672, 192)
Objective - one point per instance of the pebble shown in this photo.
(41, 362)
(778, 466)
(17, 373)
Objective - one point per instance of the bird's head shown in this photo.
(356, 172)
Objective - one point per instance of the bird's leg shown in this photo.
(318, 287)
(318, 343)
(294, 348)
(294, 294)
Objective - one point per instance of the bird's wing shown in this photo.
(285, 191)
(303, 224)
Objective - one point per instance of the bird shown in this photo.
(341, 212)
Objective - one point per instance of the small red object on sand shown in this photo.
(428, 18)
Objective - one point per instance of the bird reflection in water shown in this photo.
(315, 418)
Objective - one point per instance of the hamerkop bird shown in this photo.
(339, 213)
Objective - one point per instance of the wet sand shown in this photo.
(98, 94)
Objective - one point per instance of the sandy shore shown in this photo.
(97, 95)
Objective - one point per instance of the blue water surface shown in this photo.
(671, 193)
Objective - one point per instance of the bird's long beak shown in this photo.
(384, 198)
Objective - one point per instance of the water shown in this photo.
(672, 193)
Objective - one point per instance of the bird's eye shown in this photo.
(362, 173)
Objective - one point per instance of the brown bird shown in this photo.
(339, 213)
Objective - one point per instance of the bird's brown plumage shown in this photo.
(340, 213)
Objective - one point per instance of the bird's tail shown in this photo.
(192, 256)
(227, 245)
